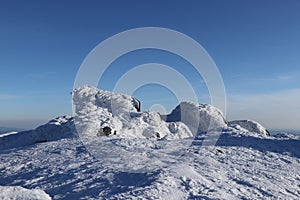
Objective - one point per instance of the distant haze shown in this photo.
(22, 124)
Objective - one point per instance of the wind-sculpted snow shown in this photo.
(96, 109)
(250, 126)
(198, 117)
(238, 167)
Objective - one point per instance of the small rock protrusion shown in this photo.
(220, 151)
(157, 135)
(105, 131)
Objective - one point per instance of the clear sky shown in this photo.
(255, 44)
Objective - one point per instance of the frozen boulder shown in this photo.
(88, 99)
(198, 117)
(98, 110)
(250, 126)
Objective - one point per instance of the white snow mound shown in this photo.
(249, 125)
(198, 117)
(20, 193)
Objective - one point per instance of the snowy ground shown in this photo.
(17, 193)
(239, 167)
(126, 154)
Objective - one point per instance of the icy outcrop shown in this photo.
(88, 99)
(20, 193)
(250, 126)
(58, 128)
(198, 117)
(96, 109)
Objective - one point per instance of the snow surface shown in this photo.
(250, 126)
(198, 117)
(243, 164)
(250, 167)
(9, 133)
(19, 193)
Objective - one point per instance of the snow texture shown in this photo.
(198, 117)
(19, 193)
(238, 167)
(96, 109)
(250, 126)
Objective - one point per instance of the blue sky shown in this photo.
(255, 45)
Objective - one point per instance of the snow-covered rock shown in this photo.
(96, 109)
(250, 126)
(198, 117)
(89, 98)
(20, 193)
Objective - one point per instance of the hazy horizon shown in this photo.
(32, 124)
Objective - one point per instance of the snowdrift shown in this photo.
(198, 117)
(249, 125)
